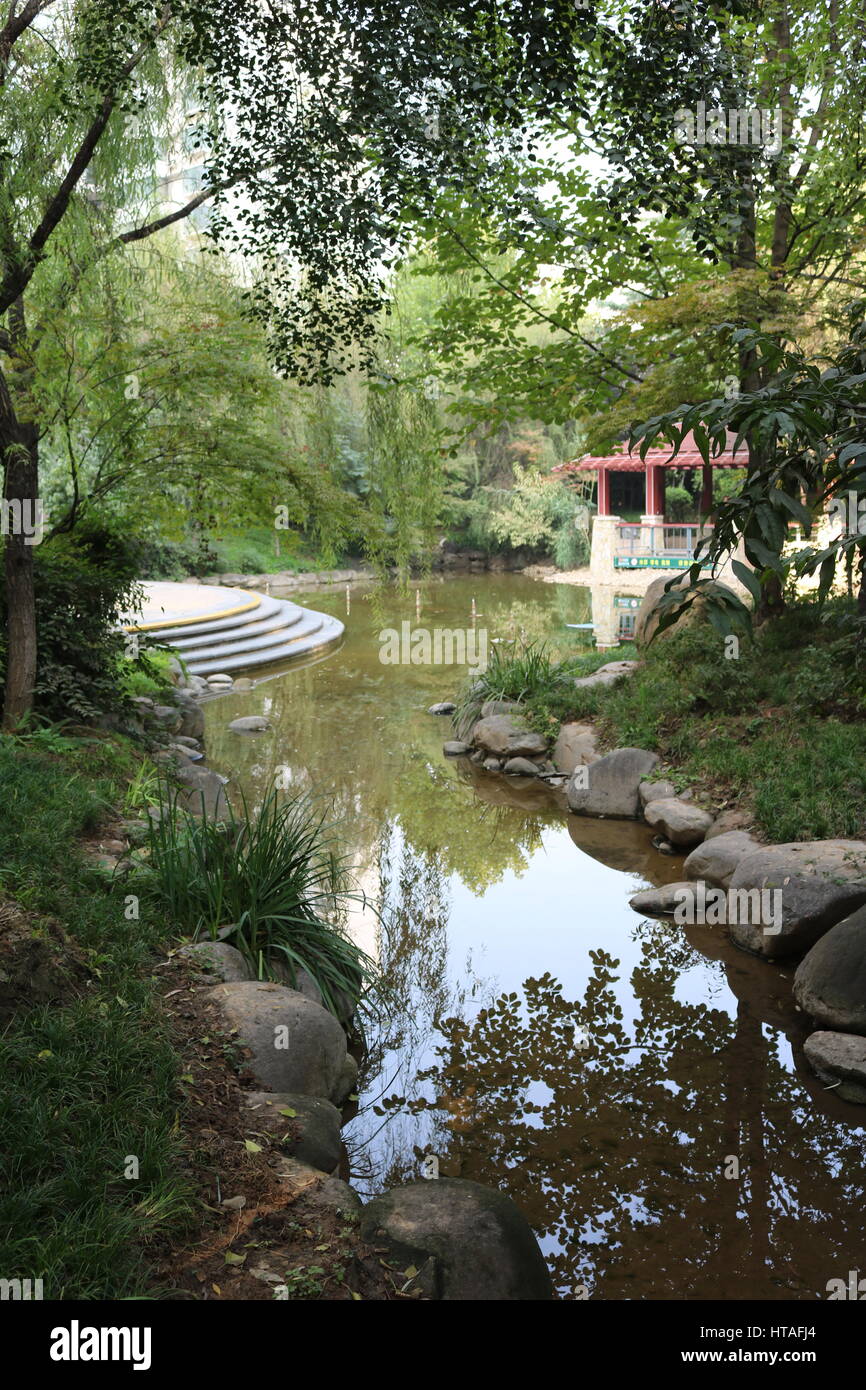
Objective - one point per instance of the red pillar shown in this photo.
(654, 491)
(603, 492)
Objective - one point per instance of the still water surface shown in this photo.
(637, 1087)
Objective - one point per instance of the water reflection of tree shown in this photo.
(414, 990)
(617, 1150)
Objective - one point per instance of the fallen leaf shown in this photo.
(234, 1259)
(251, 1147)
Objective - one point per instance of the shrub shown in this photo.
(83, 582)
(277, 878)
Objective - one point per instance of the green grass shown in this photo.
(91, 1080)
(278, 877)
(527, 672)
(253, 552)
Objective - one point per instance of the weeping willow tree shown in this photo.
(326, 132)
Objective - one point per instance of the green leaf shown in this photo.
(747, 577)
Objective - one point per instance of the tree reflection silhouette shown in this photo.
(616, 1141)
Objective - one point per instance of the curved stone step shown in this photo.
(234, 642)
(328, 633)
(242, 631)
(202, 626)
(283, 615)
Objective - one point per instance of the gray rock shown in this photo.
(220, 678)
(655, 791)
(574, 747)
(204, 792)
(728, 821)
(830, 983)
(444, 707)
(505, 737)
(649, 613)
(819, 883)
(520, 767)
(243, 683)
(186, 742)
(347, 1082)
(296, 1045)
(312, 1134)
(142, 702)
(456, 749)
(191, 717)
(660, 902)
(304, 983)
(493, 707)
(197, 683)
(478, 756)
(717, 858)
(318, 1189)
(217, 958)
(491, 765)
(190, 755)
(168, 717)
(607, 675)
(839, 1058)
(250, 724)
(611, 784)
(469, 1243)
(681, 823)
(173, 757)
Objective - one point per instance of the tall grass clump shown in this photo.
(528, 674)
(275, 884)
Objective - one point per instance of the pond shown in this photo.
(638, 1087)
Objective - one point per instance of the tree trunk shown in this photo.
(19, 446)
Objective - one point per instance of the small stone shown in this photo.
(250, 724)
(220, 679)
(444, 707)
(456, 749)
(491, 765)
(520, 767)
(660, 902)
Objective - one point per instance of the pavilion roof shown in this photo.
(689, 456)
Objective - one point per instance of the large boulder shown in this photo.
(830, 983)
(574, 747)
(716, 859)
(217, 958)
(648, 615)
(816, 882)
(840, 1060)
(191, 715)
(607, 675)
(609, 787)
(468, 1242)
(679, 821)
(307, 1127)
(295, 1044)
(203, 792)
(505, 736)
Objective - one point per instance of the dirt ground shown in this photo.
(261, 1235)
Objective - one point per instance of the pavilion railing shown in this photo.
(664, 539)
